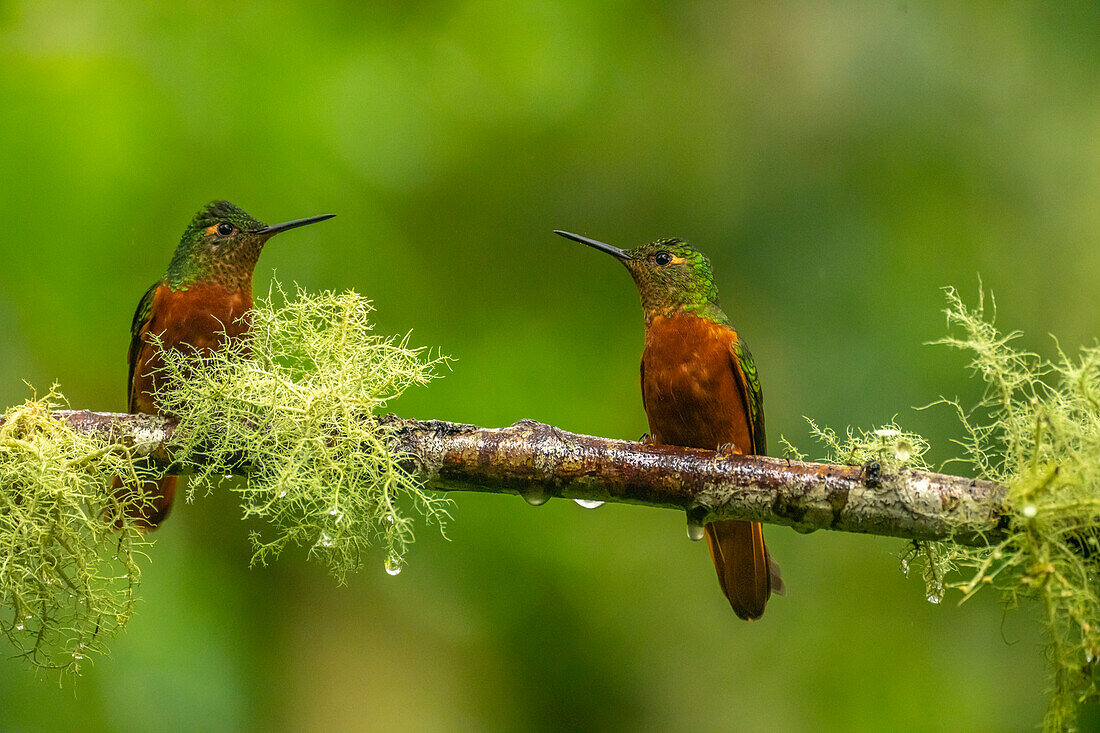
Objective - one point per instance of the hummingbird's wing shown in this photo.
(142, 316)
(746, 571)
(748, 382)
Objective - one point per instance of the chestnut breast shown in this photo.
(200, 317)
(690, 384)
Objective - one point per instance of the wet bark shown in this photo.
(540, 461)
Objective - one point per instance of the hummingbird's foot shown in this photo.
(647, 439)
(728, 450)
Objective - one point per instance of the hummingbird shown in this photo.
(700, 389)
(197, 306)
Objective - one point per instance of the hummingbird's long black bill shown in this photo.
(276, 228)
(622, 254)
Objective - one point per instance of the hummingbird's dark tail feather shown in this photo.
(745, 571)
(147, 514)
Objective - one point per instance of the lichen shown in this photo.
(68, 554)
(1037, 431)
(293, 408)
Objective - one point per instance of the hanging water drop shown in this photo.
(19, 627)
(695, 529)
(325, 540)
(1030, 510)
(935, 592)
(227, 476)
(536, 496)
(389, 518)
(393, 567)
(905, 566)
(588, 503)
(282, 494)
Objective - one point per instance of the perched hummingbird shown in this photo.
(700, 389)
(196, 306)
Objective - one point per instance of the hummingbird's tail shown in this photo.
(745, 571)
(150, 512)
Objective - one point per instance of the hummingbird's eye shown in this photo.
(662, 258)
(225, 229)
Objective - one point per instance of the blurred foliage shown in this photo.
(837, 162)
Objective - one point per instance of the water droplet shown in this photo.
(227, 476)
(935, 592)
(282, 493)
(393, 567)
(588, 503)
(905, 566)
(536, 496)
(77, 657)
(19, 627)
(887, 432)
(389, 518)
(1030, 510)
(334, 511)
(325, 540)
(695, 529)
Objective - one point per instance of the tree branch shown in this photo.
(540, 461)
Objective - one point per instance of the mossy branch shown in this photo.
(540, 461)
(296, 407)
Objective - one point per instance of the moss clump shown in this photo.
(68, 554)
(293, 408)
(1037, 430)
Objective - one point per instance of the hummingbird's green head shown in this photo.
(671, 276)
(222, 244)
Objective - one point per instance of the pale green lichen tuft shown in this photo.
(889, 446)
(1037, 430)
(68, 554)
(293, 409)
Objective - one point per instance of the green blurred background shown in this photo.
(840, 162)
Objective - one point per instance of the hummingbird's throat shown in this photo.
(229, 265)
(705, 309)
